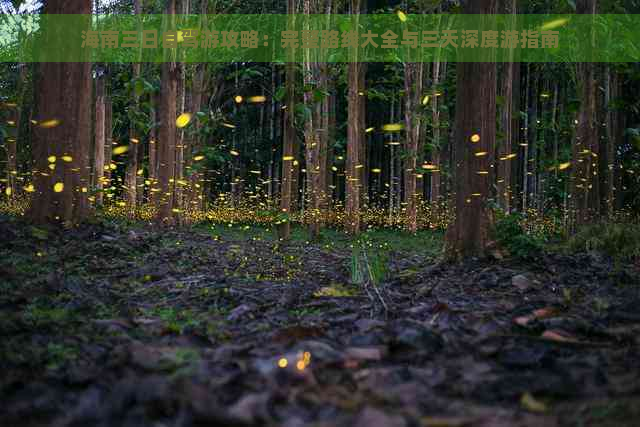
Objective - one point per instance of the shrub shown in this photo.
(511, 235)
(620, 241)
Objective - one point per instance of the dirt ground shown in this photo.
(123, 325)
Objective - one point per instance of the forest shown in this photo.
(412, 240)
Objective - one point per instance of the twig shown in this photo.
(372, 282)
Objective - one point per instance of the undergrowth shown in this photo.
(618, 240)
(510, 234)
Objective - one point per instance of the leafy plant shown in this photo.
(369, 261)
(512, 236)
(620, 241)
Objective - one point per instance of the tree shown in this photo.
(354, 133)
(99, 137)
(475, 132)
(413, 92)
(61, 138)
(166, 143)
(508, 125)
(312, 133)
(135, 140)
(15, 122)
(615, 129)
(284, 228)
(585, 145)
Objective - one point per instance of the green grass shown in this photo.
(425, 242)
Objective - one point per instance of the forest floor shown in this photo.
(122, 325)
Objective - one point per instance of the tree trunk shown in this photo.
(166, 143)
(363, 165)
(525, 144)
(284, 227)
(131, 170)
(586, 140)
(354, 131)
(506, 122)
(63, 113)
(469, 234)
(99, 140)
(153, 150)
(614, 137)
(331, 140)
(413, 93)
(108, 147)
(312, 137)
(193, 144)
(435, 122)
(15, 117)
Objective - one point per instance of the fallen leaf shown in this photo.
(530, 403)
(558, 336)
(542, 313)
(447, 421)
(364, 353)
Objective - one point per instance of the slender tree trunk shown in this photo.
(193, 143)
(556, 128)
(284, 228)
(525, 144)
(153, 150)
(614, 128)
(166, 143)
(331, 139)
(11, 142)
(63, 112)
(100, 139)
(272, 133)
(469, 234)
(508, 130)
(354, 131)
(312, 138)
(352, 187)
(413, 93)
(586, 140)
(392, 166)
(435, 121)
(108, 147)
(132, 155)
(15, 117)
(363, 158)
(135, 141)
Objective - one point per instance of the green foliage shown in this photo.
(620, 241)
(369, 261)
(512, 236)
(59, 354)
(176, 321)
(39, 314)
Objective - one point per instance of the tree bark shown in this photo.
(284, 226)
(614, 137)
(507, 123)
(469, 234)
(413, 93)
(99, 140)
(354, 131)
(15, 116)
(61, 98)
(312, 133)
(166, 143)
(435, 122)
(135, 141)
(586, 140)
(153, 149)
